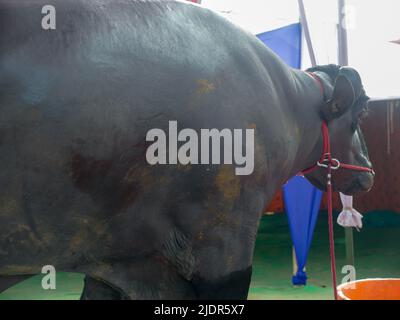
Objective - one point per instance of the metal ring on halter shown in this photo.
(322, 165)
(319, 164)
(337, 165)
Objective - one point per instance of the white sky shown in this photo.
(371, 25)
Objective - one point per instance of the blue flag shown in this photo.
(286, 43)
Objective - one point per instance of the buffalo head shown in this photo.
(345, 104)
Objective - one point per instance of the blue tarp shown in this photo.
(302, 199)
(302, 202)
(286, 43)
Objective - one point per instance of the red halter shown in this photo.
(326, 156)
(326, 161)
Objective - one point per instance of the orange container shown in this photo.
(370, 289)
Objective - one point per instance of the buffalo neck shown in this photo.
(307, 101)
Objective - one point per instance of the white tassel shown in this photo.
(349, 217)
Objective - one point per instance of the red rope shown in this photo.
(331, 235)
(356, 168)
(326, 161)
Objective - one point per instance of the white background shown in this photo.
(372, 24)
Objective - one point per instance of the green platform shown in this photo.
(377, 254)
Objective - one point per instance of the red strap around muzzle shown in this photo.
(326, 157)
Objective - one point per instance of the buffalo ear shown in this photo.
(342, 100)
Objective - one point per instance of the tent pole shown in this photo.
(294, 261)
(343, 60)
(304, 24)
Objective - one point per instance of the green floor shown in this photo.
(377, 254)
(377, 249)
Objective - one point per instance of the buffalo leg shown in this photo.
(234, 286)
(98, 290)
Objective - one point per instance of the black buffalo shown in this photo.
(75, 106)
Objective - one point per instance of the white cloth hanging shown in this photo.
(349, 217)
